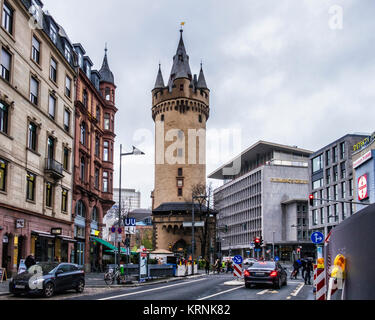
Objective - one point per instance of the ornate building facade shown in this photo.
(93, 161)
(180, 111)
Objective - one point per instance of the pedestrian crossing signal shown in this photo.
(311, 199)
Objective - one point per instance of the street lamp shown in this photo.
(135, 152)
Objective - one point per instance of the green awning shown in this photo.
(109, 245)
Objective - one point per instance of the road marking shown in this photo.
(263, 292)
(149, 290)
(295, 292)
(219, 293)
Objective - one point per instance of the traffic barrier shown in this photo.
(315, 272)
(237, 270)
(320, 284)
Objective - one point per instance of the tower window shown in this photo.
(179, 172)
(200, 118)
(162, 117)
(179, 192)
(181, 87)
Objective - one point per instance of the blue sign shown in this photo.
(317, 237)
(237, 260)
(277, 258)
(119, 230)
(113, 229)
(130, 222)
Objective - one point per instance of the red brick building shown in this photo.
(93, 157)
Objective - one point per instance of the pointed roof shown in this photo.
(181, 67)
(201, 80)
(159, 84)
(105, 72)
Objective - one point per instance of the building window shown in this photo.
(180, 183)
(200, 118)
(3, 175)
(8, 14)
(328, 157)
(317, 184)
(98, 113)
(68, 86)
(4, 117)
(179, 172)
(328, 176)
(48, 195)
(336, 208)
(351, 187)
(34, 91)
(335, 173)
(97, 146)
(322, 220)
(162, 118)
(329, 214)
(97, 174)
(343, 190)
(107, 94)
(317, 163)
(64, 200)
(6, 59)
(342, 150)
(106, 122)
(82, 169)
(53, 70)
(335, 155)
(85, 98)
(53, 33)
(343, 206)
(35, 50)
(343, 170)
(50, 148)
(52, 106)
(335, 192)
(32, 136)
(30, 186)
(66, 159)
(68, 53)
(106, 151)
(179, 192)
(66, 120)
(83, 133)
(95, 216)
(105, 181)
(80, 209)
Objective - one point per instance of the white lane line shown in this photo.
(263, 292)
(149, 290)
(297, 290)
(219, 293)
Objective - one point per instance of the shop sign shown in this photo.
(362, 159)
(5, 239)
(56, 231)
(360, 145)
(95, 232)
(362, 188)
(20, 223)
(292, 181)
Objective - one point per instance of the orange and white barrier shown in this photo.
(237, 270)
(320, 283)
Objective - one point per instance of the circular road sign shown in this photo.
(362, 188)
(317, 237)
(237, 259)
(119, 230)
(113, 229)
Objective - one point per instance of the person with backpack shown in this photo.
(295, 270)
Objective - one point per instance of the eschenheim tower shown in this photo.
(180, 111)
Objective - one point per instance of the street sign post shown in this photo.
(237, 259)
(317, 237)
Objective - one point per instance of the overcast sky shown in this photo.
(290, 72)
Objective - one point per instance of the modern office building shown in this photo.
(264, 195)
(130, 198)
(331, 178)
(36, 135)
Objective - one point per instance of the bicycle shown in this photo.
(111, 276)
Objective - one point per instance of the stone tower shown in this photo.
(180, 111)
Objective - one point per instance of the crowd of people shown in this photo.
(306, 267)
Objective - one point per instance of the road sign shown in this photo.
(317, 237)
(119, 230)
(362, 188)
(113, 229)
(130, 222)
(237, 259)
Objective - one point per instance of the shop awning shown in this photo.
(43, 234)
(66, 238)
(109, 245)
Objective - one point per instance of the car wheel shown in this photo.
(277, 285)
(81, 286)
(49, 290)
(286, 281)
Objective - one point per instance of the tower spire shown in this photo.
(105, 72)
(202, 80)
(159, 83)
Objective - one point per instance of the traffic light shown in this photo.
(257, 242)
(225, 228)
(261, 241)
(311, 199)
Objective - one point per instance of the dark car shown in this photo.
(266, 272)
(46, 278)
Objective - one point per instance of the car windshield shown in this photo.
(264, 264)
(47, 267)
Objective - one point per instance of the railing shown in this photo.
(54, 167)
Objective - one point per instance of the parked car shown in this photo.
(266, 272)
(46, 278)
(249, 261)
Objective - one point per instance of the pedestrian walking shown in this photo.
(207, 266)
(304, 262)
(295, 270)
(30, 261)
(309, 269)
(223, 266)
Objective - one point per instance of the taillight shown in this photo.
(273, 274)
(246, 273)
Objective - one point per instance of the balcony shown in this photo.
(54, 168)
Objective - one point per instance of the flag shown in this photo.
(182, 23)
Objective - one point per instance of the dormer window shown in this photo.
(107, 94)
(88, 70)
(80, 60)
(68, 53)
(53, 33)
